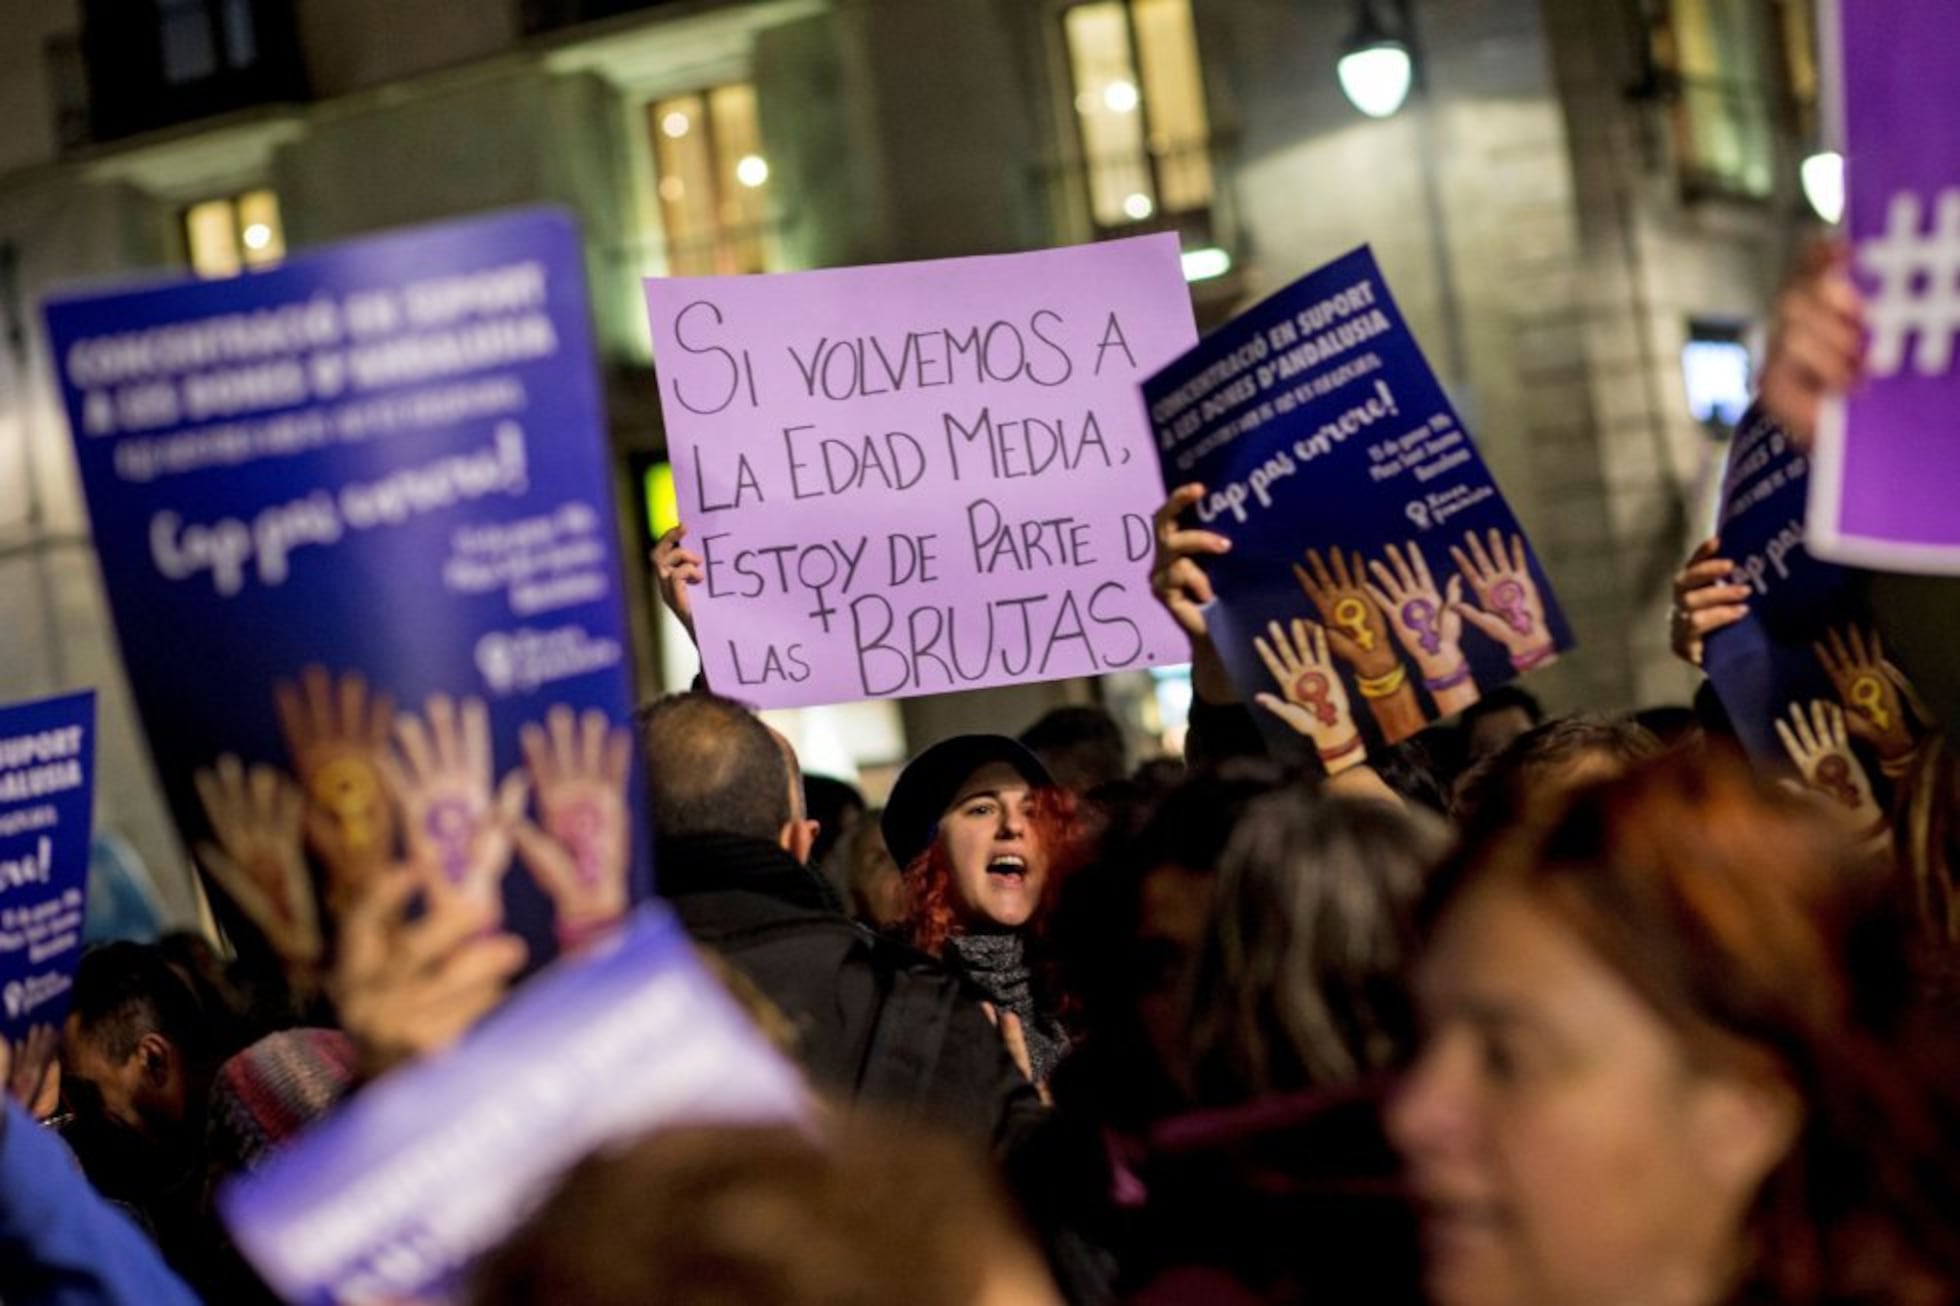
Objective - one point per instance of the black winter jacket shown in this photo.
(876, 1022)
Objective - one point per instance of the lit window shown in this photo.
(226, 236)
(713, 181)
(1715, 366)
(1719, 52)
(1140, 109)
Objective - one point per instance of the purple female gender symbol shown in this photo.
(1419, 615)
(450, 823)
(1507, 596)
(578, 826)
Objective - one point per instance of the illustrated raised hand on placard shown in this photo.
(1427, 622)
(1312, 699)
(1509, 609)
(1356, 630)
(1874, 693)
(579, 850)
(442, 780)
(1820, 746)
(337, 733)
(257, 857)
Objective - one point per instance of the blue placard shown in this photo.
(394, 1194)
(47, 769)
(356, 527)
(1767, 662)
(1358, 505)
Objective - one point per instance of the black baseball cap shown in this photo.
(930, 782)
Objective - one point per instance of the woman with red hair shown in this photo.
(980, 829)
(1678, 1055)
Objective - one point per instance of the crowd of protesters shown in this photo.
(1577, 1011)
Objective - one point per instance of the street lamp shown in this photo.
(1823, 184)
(1376, 68)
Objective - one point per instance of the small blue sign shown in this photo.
(47, 768)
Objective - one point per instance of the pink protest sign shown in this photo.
(922, 477)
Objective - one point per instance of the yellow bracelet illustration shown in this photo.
(1382, 686)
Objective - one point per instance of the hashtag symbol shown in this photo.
(1918, 298)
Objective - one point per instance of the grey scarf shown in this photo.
(998, 966)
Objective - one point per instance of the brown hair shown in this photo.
(1544, 763)
(931, 918)
(879, 1215)
(1302, 983)
(1751, 926)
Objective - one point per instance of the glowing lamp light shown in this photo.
(674, 124)
(1823, 184)
(1376, 78)
(1121, 97)
(258, 236)
(1377, 69)
(1206, 263)
(1137, 206)
(752, 171)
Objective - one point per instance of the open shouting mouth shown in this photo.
(1009, 867)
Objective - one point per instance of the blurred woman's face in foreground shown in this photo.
(1565, 1148)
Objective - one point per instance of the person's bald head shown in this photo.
(713, 767)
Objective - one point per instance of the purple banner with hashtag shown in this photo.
(1888, 457)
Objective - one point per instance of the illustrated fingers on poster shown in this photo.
(1428, 623)
(1854, 659)
(578, 852)
(1355, 628)
(1818, 742)
(1313, 701)
(1509, 610)
(336, 733)
(456, 828)
(256, 855)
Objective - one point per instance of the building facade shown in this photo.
(1583, 208)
